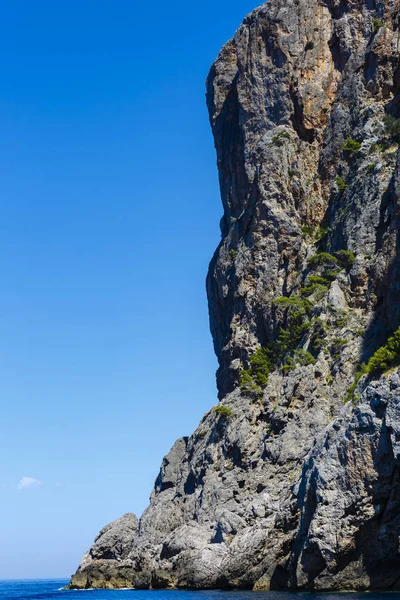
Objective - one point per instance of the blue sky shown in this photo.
(109, 216)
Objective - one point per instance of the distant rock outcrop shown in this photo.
(292, 482)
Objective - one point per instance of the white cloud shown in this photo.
(28, 483)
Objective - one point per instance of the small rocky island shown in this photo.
(292, 481)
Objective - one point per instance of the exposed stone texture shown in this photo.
(107, 558)
(298, 487)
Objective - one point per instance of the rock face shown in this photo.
(293, 481)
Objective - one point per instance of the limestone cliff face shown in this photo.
(293, 482)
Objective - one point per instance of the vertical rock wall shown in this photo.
(293, 481)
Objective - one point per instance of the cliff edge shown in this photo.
(292, 481)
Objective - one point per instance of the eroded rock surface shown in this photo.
(295, 484)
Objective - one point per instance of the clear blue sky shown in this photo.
(109, 216)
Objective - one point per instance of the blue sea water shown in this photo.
(49, 589)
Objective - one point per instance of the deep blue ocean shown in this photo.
(45, 589)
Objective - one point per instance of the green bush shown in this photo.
(232, 254)
(293, 302)
(371, 168)
(331, 274)
(307, 231)
(321, 233)
(392, 126)
(315, 233)
(267, 358)
(318, 279)
(247, 383)
(297, 325)
(222, 411)
(277, 140)
(304, 357)
(350, 392)
(346, 258)
(299, 357)
(261, 365)
(376, 24)
(342, 185)
(337, 344)
(290, 337)
(341, 321)
(381, 147)
(385, 358)
(350, 145)
(314, 289)
(318, 334)
(322, 259)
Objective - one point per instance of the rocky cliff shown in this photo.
(292, 481)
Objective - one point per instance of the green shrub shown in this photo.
(245, 378)
(261, 364)
(331, 274)
(277, 140)
(385, 358)
(346, 258)
(315, 233)
(247, 384)
(321, 232)
(315, 289)
(232, 254)
(293, 173)
(299, 357)
(289, 301)
(307, 231)
(298, 324)
(376, 24)
(318, 334)
(311, 279)
(342, 185)
(341, 321)
(284, 350)
(222, 411)
(350, 145)
(290, 337)
(304, 357)
(350, 392)
(381, 147)
(337, 344)
(322, 259)
(392, 126)
(371, 168)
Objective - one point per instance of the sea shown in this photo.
(49, 589)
